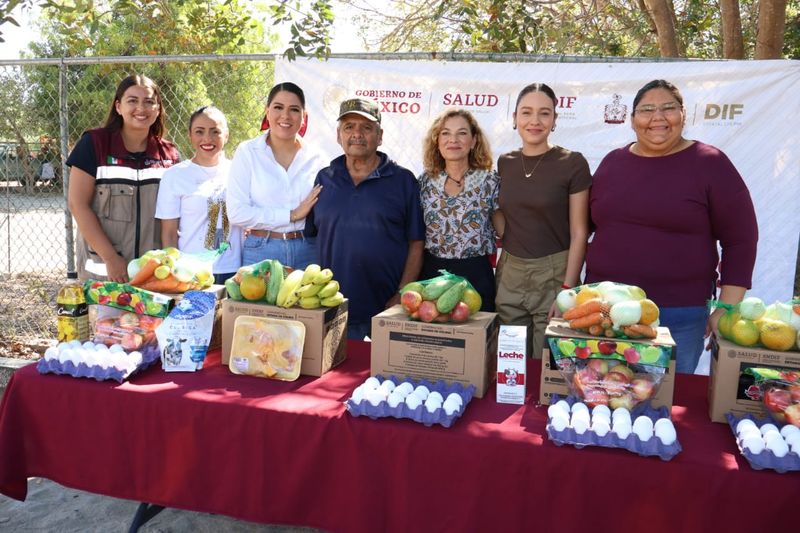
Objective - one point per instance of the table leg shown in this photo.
(143, 514)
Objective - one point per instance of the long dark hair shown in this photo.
(537, 88)
(288, 87)
(114, 121)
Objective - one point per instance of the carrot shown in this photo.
(145, 273)
(610, 333)
(596, 330)
(585, 309)
(168, 284)
(586, 321)
(637, 331)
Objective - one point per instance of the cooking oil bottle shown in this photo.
(73, 313)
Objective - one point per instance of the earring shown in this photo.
(514, 127)
(553, 128)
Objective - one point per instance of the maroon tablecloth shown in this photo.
(288, 453)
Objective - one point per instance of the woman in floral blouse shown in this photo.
(459, 192)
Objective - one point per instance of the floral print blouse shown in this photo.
(460, 226)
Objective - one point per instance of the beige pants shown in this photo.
(526, 288)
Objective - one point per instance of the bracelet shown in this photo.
(565, 286)
(291, 215)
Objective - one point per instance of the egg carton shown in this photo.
(632, 443)
(766, 460)
(150, 355)
(420, 414)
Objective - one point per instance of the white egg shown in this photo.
(665, 432)
(116, 348)
(450, 406)
(749, 432)
(643, 427)
(388, 385)
(374, 396)
(407, 387)
(75, 344)
(432, 404)
(394, 399)
(89, 345)
(402, 392)
(51, 353)
(66, 355)
(744, 423)
(768, 427)
(579, 406)
(454, 396)
(796, 448)
(601, 409)
(89, 358)
(556, 408)
(580, 415)
(793, 438)
(422, 391)
(564, 405)
(135, 358)
(601, 426)
(662, 422)
(622, 428)
(754, 444)
(372, 383)
(620, 412)
(100, 347)
(120, 362)
(580, 425)
(559, 423)
(413, 401)
(778, 447)
(769, 436)
(62, 346)
(437, 395)
(600, 415)
(358, 393)
(789, 429)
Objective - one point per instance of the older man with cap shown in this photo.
(368, 219)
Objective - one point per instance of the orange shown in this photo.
(586, 294)
(726, 321)
(777, 335)
(252, 287)
(650, 312)
(744, 332)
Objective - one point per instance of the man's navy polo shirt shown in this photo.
(363, 231)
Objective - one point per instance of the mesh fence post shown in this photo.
(63, 122)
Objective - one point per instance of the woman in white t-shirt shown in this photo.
(192, 193)
(272, 184)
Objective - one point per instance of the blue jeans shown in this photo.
(688, 327)
(358, 330)
(296, 253)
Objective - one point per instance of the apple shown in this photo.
(607, 347)
(128, 321)
(623, 400)
(793, 414)
(624, 370)
(584, 379)
(777, 400)
(460, 312)
(631, 355)
(794, 390)
(615, 383)
(427, 311)
(595, 396)
(444, 317)
(643, 389)
(583, 352)
(149, 323)
(132, 341)
(598, 365)
(411, 301)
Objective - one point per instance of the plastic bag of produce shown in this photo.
(171, 271)
(611, 372)
(609, 309)
(751, 323)
(445, 298)
(133, 331)
(185, 334)
(780, 392)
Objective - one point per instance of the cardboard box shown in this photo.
(729, 389)
(325, 345)
(216, 333)
(464, 353)
(551, 381)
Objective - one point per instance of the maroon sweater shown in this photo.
(658, 219)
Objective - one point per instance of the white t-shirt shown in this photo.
(185, 192)
(261, 193)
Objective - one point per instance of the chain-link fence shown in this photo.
(50, 102)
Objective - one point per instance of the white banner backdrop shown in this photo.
(748, 109)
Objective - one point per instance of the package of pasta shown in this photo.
(780, 392)
(609, 309)
(612, 372)
(267, 347)
(752, 323)
(445, 298)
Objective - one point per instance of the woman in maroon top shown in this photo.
(659, 206)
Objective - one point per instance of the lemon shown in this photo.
(727, 321)
(252, 287)
(650, 312)
(777, 335)
(586, 294)
(472, 299)
(744, 332)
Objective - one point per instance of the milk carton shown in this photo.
(511, 362)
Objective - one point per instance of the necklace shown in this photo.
(459, 183)
(524, 170)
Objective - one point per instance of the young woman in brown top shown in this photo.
(544, 196)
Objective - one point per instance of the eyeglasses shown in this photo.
(648, 110)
